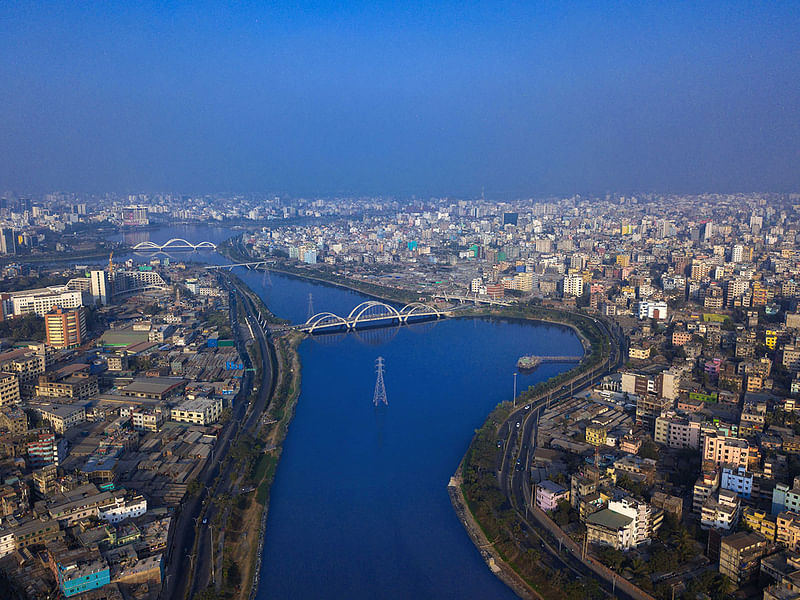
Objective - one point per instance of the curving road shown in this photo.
(519, 432)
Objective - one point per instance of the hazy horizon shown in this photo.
(439, 99)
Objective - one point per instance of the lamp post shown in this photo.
(213, 577)
(515, 389)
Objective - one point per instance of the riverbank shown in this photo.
(61, 257)
(371, 290)
(246, 525)
(276, 426)
(491, 556)
(490, 520)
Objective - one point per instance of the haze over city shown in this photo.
(439, 98)
(391, 300)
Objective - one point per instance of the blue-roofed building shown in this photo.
(75, 578)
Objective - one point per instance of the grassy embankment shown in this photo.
(251, 467)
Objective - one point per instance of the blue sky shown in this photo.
(388, 98)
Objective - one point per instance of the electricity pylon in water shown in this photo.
(380, 389)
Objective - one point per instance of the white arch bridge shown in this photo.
(371, 314)
(173, 244)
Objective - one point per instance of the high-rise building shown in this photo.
(573, 285)
(99, 287)
(135, 216)
(8, 241)
(65, 328)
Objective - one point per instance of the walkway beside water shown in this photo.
(492, 557)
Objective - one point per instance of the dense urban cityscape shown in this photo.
(399, 300)
(665, 466)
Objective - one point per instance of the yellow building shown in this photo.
(639, 352)
(596, 434)
(760, 521)
(771, 339)
(623, 260)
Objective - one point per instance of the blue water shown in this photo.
(359, 507)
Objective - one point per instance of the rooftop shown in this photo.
(609, 519)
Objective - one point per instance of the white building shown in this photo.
(786, 498)
(120, 508)
(40, 301)
(7, 543)
(722, 512)
(737, 479)
(642, 514)
(98, 287)
(647, 309)
(200, 411)
(676, 431)
(573, 285)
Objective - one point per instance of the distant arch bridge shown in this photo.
(173, 244)
(371, 313)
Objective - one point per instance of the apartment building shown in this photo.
(664, 384)
(61, 416)
(549, 494)
(722, 512)
(610, 528)
(737, 480)
(740, 556)
(200, 411)
(787, 529)
(760, 521)
(786, 498)
(726, 450)
(122, 506)
(65, 328)
(706, 484)
(9, 389)
(677, 431)
(78, 386)
(646, 520)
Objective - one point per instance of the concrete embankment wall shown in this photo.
(493, 560)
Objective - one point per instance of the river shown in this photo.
(359, 507)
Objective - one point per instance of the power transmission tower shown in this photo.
(310, 306)
(380, 389)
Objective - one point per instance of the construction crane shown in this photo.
(111, 264)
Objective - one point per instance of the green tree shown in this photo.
(649, 449)
(194, 487)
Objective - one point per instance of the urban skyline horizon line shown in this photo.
(486, 195)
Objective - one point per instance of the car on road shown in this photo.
(527, 407)
(499, 443)
(205, 520)
(517, 424)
